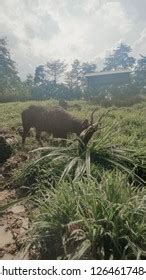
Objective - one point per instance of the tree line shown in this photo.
(54, 80)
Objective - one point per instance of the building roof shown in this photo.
(106, 73)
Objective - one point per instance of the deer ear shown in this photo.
(85, 124)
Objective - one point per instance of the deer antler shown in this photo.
(91, 122)
(100, 118)
(86, 134)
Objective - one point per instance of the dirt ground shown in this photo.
(14, 222)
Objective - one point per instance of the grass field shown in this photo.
(84, 203)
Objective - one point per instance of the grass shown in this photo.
(90, 220)
(79, 159)
(84, 203)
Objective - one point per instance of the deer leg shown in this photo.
(24, 134)
(38, 137)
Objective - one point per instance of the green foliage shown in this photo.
(39, 76)
(86, 201)
(11, 88)
(90, 220)
(28, 86)
(139, 73)
(72, 77)
(55, 69)
(45, 83)
(119, 96)
(7, 65)
(29, 80)
(75, 79)
(120, 59)
(80, 159)
(46, 171)
(56, 91)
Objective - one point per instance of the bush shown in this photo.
(56, 91)
(121, 96)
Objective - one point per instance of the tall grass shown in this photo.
(89, 220)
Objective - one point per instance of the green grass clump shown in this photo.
(79, 159)
(90, 220)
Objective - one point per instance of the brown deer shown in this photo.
(55, 121)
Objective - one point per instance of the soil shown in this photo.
(14, 222)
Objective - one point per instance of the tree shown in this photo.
(40, 75)
(69, 81)
(28, 85)
(120, 59)
(29, 80)
(139, 73)
(7, 65)
(9, 80)
(73, 77)
(88, 68)
(55, 69)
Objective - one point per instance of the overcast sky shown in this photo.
(41, 30)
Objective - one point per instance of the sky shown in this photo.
(42, 30)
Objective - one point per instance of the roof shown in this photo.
(107, 73)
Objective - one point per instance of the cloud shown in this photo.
(135, 9)
(44, 27)
(140, 43)
(40, 30)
